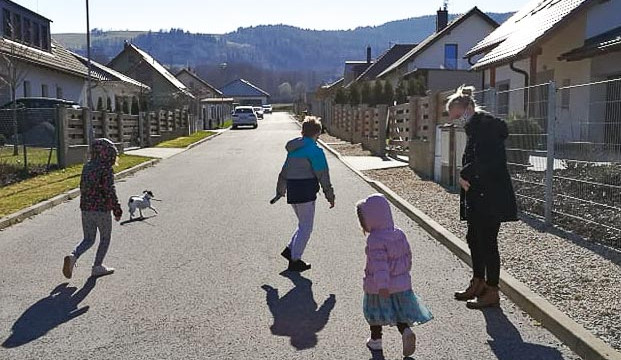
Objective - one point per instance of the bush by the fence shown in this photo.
(525, 135)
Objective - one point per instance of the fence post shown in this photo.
(493, 101)
(105, 124)
(140, 129)
(551, 127)
(61, 123)
(119, 120)
(86, 122)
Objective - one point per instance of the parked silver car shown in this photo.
(245, 116)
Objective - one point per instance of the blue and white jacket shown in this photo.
(304, 170)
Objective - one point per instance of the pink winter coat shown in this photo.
(389, 258)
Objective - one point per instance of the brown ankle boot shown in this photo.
(475, 289)
(489, 298)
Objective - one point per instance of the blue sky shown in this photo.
(208, 16)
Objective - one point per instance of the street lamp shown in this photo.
(223, 67)
(89, 97)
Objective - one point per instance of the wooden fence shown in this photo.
(126, 131)
(406, 129)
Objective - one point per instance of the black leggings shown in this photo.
(376, 330)
(483, 242)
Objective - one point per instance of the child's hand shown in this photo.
(331, 203)
(384, 293)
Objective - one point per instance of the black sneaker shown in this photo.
(286, 253)
(298, 266)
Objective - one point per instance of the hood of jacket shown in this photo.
(487, 125)
(376, 213)
(104, 152)
(298, 143)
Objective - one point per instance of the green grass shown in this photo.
(227, 124)
(36, 156)
(29, 192)
(185, 141)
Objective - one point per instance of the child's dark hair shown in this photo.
(311, 126)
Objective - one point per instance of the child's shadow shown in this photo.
(58, 308)
(295, 314)
(507, 342)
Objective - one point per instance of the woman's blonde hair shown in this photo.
(361, 217)
(464, 97)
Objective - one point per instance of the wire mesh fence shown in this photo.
(564, 153)
(28, 143)
(587, 176)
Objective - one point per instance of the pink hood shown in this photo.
(389, 258)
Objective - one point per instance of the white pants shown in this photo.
(306, 216)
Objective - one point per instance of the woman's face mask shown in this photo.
(460, 116)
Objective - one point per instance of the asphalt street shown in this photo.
(203, 279)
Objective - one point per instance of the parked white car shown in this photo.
(259, 111)
(245, 116)
(267, 109)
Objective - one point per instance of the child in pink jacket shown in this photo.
(388, 296)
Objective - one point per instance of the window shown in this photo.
(59, 92)
(17, 26)
(502, 90)
(8, 25)
(36, 34)
(44, 90)
(450, 56)
(565, 94)
(45, 38)
(27, 90)
(27, 31)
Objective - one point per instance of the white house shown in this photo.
(110, 88)
(439, 59)
(570, 42)
(34, 63)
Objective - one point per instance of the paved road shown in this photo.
(196, 281)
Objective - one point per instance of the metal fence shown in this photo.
(28, 143)
(564, 153)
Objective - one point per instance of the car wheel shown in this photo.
(234, 127)
(255, 126)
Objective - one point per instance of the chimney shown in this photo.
(442, 19)
(369, 54)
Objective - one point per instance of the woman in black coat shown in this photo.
(487, 196)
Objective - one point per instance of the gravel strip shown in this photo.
(581, 278)
(329, 139)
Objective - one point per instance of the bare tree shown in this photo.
(12, 73)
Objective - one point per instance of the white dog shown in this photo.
(141, 202)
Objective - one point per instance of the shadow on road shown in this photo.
(295, 314)
(59, 307)
(507, 343)
(138, 220)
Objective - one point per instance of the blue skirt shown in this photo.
(403, 307)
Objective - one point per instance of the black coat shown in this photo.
(491, 197)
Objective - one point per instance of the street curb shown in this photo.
(37, 209)
(572, 334)
(200, 142)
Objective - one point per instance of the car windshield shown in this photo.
(243, 111)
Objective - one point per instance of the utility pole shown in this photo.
(89, 100)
